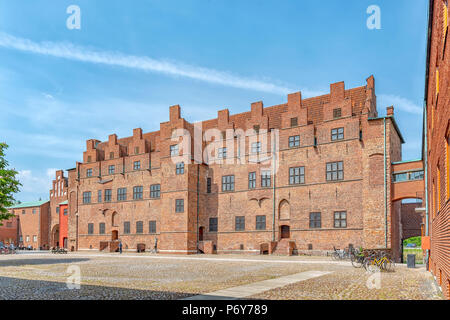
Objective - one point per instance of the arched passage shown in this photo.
(55, 236)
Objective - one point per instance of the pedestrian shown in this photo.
(156, 245)
(120, 247)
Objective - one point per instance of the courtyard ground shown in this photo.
(146, 276)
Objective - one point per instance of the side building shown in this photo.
(306, 175)
(32, 224)
(436, 149)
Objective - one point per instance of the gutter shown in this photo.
(198, 194)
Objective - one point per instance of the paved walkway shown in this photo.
(257, 287)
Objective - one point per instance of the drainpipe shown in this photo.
(273, 188)
(198, 194)
(425, 158)
(385, 188)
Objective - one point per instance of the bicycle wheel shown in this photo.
(335, 255)
(356, 261)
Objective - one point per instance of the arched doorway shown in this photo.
(285, 232)
(55, 236)
(114, 235)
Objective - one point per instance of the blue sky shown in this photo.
(130, 61)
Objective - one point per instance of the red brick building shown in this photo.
(321, 177)
(32, 223)
(8, 231)
(58, 203)
(436, 148)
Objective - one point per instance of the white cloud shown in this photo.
(36, 183)
(399, 103)
(78, 53)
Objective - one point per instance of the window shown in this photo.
(136, 150)
(337, 113)
(208, 185)
(155, 191)
(89, 159)
(87, 197)
(260, 222)
(294, 122)
(126, 227)
(337, 134)
(315, 220)
(256, 147)
(65, 212)
(294, 141)
(180, 168)
(174, 150)
(121, 194)
(21, 239)
(101, 228)
(33, 211)
(335, 171)
(108, 195)
(265, 179)
(23, 211)
(239, 223)
(99, 196)
(89, 173)
(212, 224)
(407, 176)
(137, 165)
(297, 175)
(139, 227)
(340, 219)
(111, 169)
(9, 225)
(27, 238)
(256, 128)
(90, 228)
(228, 183)
(179, 205)
(252, 180)
(137, 192)
(57, 209)
(34, 238)
(222, 153)
(111, 155)
(152, 226)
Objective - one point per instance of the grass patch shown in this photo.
(416, 240)
(417, 251)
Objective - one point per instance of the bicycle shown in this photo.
(381, 261)
(357, 258)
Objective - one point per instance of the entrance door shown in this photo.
(285, 232)
(200, 233)
(114, 235)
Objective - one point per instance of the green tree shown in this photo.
(8, 185)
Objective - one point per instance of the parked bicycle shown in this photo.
(339, 254)
(357, 258)
(379, 260)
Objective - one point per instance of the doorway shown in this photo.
(285, 232)
(200, 233)
(114, 235)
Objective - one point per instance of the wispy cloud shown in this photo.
(32, 182)
(400, 103)
(78, 53)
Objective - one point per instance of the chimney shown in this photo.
(137, 133)
(175, 113)
(112, 139)
(294, 101)
(390, 111)
(257, 109)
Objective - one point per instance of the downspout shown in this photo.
(273, 188)
(198, 194)
(425, 159)
(385, 188)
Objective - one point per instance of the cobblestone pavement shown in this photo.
(109, 276)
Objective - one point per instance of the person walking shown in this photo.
(120, 247)
(155, 248)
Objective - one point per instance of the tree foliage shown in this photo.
(9, 185)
